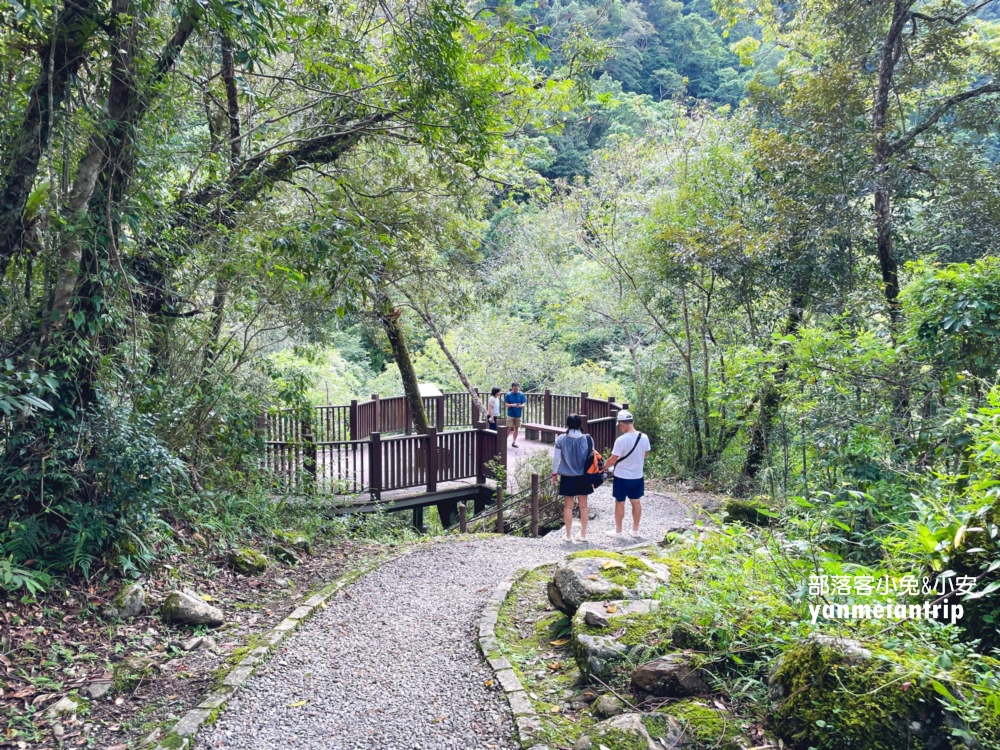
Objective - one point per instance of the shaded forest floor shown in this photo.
(59, 644)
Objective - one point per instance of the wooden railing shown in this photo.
(369, 446)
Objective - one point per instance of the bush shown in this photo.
(77, 491)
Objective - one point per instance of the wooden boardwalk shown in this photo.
(366, 457)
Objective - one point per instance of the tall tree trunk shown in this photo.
(769, 400)
(389, 317)
(699, 451)
(428, 318)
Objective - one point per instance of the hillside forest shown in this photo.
(771, 228)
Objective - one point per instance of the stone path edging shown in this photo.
(182, 734)
(525, 717)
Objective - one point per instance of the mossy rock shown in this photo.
(833, 694)
(283, 554)
(129, 673)
(691, 723)
(754, 512)
(294, 540)
(597, 575)
(248, 562)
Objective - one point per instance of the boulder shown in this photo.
(690, 723)
(670, 676)
(129, 602)
(596, 578)
(187, 608)
(199, 642)
(131, 671)
(755, 512)
(600, 614)
(607, 706)
(827, 686)
(595, 654)
(294, 540)
(622, 732)
(96, 690)
(283, 554)
(248, 562)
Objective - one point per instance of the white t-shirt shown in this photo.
(494, 406)
(631, 467)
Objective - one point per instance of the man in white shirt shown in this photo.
(628, 457)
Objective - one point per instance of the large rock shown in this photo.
(670, 676)
(597, 578)
(248, 562)
(827, 687)
(601, 614)
(596, 654)
(625, 731)
(129, 602)
(607, 706)
(187, 608)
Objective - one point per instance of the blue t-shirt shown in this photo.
(515, 398)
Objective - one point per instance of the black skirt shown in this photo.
(572, 486)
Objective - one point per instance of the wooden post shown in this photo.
(501, 454)
(353, 430)
(481, 452)
(431, 449)
(308, 449)
(583, 402)
(534, 505)
(375, 465)
(407, 417)
(584, 427)
(377, 426)
(439, 421)
(547, 408)
(499, 509)
(418, 519)
(463, 518)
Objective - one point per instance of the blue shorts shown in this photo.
(633, 489)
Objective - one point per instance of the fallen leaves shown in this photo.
(554, 665)
(297, 704)
(613, 564)
(594, 578)
(488, 683)
(560, 642)
(611, 609)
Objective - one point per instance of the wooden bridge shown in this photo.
(366, 456)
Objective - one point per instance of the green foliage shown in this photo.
(954, 316)
(92, 493)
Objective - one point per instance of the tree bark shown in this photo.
(699, 455)
(389, 317)
(60, 58)
(770, 399)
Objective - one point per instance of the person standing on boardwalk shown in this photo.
(493, 408)
(629, 458)
(573, 452)
(515, 401)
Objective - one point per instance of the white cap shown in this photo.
(624, 416)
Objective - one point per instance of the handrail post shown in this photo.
(463, 518)
(440, 413)
(584, 427)
(375, 465)
(547, 408)
(431, 447)
(534, 505)
(501, 454)
(353, 429)
(480, 452)
(407, 416)
(583, 402)
(499, 509)
(308, 449)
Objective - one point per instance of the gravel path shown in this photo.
(391, 663)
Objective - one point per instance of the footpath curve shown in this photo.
(392, 661)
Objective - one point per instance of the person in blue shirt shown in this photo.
(515, 401)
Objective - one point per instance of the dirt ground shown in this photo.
(54, 647)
